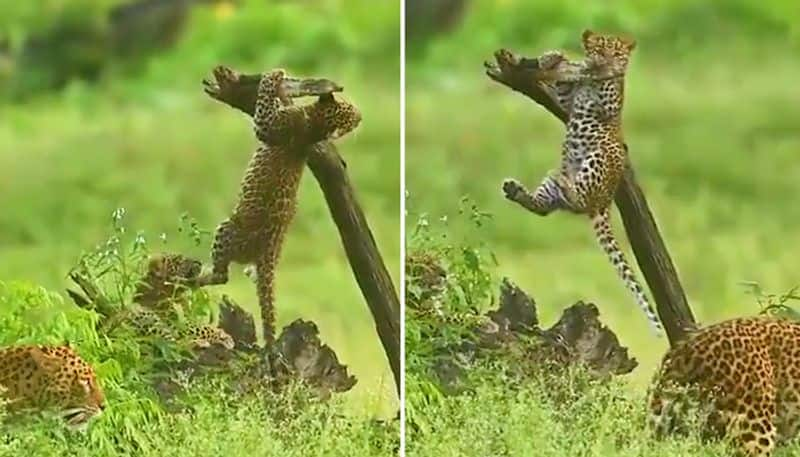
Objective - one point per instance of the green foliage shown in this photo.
(54, 41)
(217, 424)
(571, 413)
(608, 420)
(361, 30)
(444, 312)
(775, 304)
(290, 422)
(667, 24)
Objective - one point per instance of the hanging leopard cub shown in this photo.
(255, 231)
(593, 155)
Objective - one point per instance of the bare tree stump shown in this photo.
(648, 246)
(239, 91)
(301, 355)
(513, 332)
(238, 323)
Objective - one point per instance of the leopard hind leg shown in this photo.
(548, 197)
(222, 254)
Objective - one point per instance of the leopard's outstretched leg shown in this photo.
(548, 197)
(265, 279)
(607, 241)
(221, 255)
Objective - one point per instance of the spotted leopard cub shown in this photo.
(167, 279)
(255, 231)
(159, 298)
(50, 377)
(593, 154)
(148, 323)
(740, 378)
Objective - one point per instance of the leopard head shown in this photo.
(207, 336)
(89, 399)
(81, 397)
(616, 49)
(332, 118)
(174, 267)
(166, 275)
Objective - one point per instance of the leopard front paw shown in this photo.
(513, 189)
(278, 74)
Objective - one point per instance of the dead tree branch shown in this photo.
(648, 246)
(239, 91)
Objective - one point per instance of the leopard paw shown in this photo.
(550, 59)
(512, 189)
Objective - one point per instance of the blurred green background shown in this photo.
(712, 119)
(103, 107)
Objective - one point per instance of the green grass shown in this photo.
(222, 426)
(606, 421)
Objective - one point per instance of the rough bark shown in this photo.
(648, 246)
(239, 91)
(238, 323)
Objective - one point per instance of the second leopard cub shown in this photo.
(593, 154)
(254, 232)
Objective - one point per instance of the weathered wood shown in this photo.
(512, 332)
(238, 323)
(239, 91)
(648, 246)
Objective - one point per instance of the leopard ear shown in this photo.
(327, 97)
(629, 43)
(587, 34)
(43, 360)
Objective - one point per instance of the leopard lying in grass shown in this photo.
(159, 299)
(50, 377)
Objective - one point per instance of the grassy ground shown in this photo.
(606, 421)
(714, 143)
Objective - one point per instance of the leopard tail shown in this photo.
(605, 236)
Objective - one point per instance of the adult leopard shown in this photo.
(741, 377)
(50, 377)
